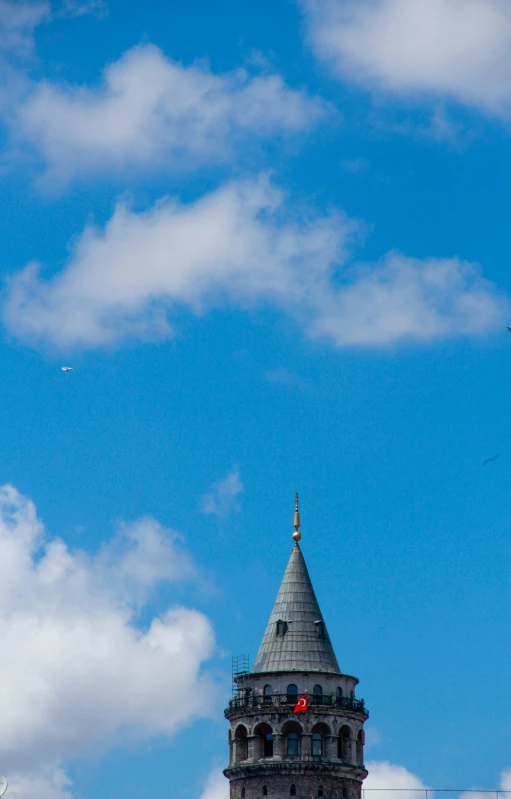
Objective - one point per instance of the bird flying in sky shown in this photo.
(509, 328)
(492, 459)
(67, 368)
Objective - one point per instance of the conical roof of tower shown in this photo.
(305, 645)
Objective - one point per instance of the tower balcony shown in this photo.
(250, 701)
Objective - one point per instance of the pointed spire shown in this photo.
(297, 535)
(296, 638)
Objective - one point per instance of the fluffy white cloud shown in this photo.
(242, 245)
(459, 49)
(387, 778)
(221, 499)
(151, 111)
(227, 245)
(383, 775)
(505, 785)
(75, 669)
(43, 783)
(505, 780)
(217, 787)
(18, 20)
(404, 298)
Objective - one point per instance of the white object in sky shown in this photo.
(3, 785)
(64, 369)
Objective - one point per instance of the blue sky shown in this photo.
(272, 241)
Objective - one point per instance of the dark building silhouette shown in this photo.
(273, 751)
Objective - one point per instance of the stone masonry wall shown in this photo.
(279, 787)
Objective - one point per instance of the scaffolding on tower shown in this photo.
(240, 669)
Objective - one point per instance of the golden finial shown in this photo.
(297, 535)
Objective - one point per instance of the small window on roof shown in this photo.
(320, 629)
(281, 627)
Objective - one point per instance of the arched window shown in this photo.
(292, 732)
(241, 743)
(360, 748)
(344, 744)
(292, 693)
(243, 793)
(265, 790)
(320, 790)
(267, 694)
(292, 790)
(292, 743)
(319, 740)
(317, 694)
(317, 745)
(263, 735)
(352, 694)
(344, 793)
(338, 695)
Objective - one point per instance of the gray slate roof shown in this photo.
(301, 648)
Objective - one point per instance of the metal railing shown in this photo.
(250, 700)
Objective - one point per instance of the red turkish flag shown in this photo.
(302, 705)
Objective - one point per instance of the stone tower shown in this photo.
(273, 751)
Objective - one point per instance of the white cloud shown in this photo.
(406, 298)
(384, 775)
(386, 778)
(227, 246)
(505, 785)
(458, 49)
(142, 554)
(242, 245)
(217, 787)
(151, 111)
(75, 670)
(44, 783)
(505, 779)
(18, 20)
(221, 499)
